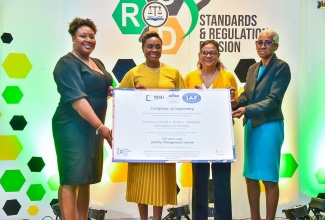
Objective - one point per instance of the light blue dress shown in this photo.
(263, 149)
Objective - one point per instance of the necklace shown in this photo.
(211, 80)
(145, 63)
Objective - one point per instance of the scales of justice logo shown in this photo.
(155, 14)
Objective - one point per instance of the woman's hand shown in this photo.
(106, 133)
(234, 103)
(232, 92)
(239, 112)
(83, 107)
(139, 86)
(110, 91)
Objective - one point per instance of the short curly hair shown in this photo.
(78, 22)
(273, 33)
(150, 34)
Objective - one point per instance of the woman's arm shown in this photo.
(274, 95)
(84, 109)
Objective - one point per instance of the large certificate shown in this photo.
(172, 126)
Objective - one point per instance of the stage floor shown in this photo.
(185, 219)
(139, 219)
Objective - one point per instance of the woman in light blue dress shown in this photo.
(267, 82)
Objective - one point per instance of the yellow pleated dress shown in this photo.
(152, 183)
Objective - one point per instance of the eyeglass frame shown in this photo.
(260, 43)
(209, 53)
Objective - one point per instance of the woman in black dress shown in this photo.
(78, 131)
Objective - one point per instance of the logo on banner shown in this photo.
(155, 14)
(140, 16)
(321, 4)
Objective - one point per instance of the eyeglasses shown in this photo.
(212, 53)
(266, 43)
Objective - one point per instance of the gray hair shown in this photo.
(273, 33)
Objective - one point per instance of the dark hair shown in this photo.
(148, 35)
(78, 22)
(216, 44)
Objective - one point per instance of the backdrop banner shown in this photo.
(34, 35)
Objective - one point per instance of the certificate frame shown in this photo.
(167, 126)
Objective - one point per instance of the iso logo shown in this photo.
(155, 14)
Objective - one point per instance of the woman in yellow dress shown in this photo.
(152, 183)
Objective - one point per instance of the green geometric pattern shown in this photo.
(288, 166)
(12, 94)
(54, 182)
(36, 192)
(12, 180)
(128, 16)
(320, 176)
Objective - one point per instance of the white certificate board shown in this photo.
(172, 126)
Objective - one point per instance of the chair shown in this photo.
(297, 213)
(96, 214)
(177, 213)
(317, 205)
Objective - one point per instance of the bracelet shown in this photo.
(97, 131)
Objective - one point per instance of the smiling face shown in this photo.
(152, 49)
(206, 59)
(84, 41)
(266, 52)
